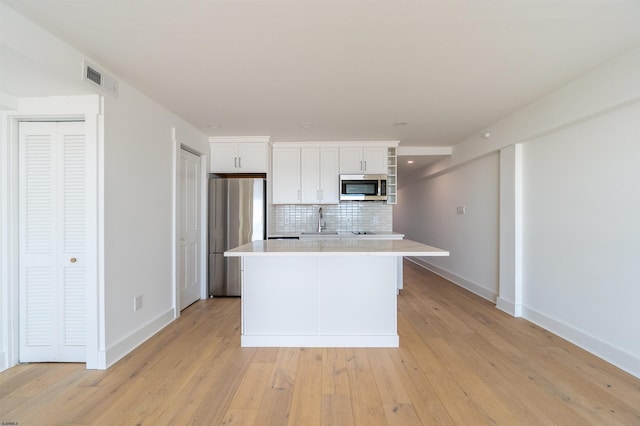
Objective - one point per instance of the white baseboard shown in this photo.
(323, 341)
(509, 307)
(121, 348)
(466, 284)
(613, 355)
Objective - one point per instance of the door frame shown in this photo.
(57, 108)
(178, 144)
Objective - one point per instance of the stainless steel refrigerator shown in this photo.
(236, 217)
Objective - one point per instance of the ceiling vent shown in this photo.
(92, 75)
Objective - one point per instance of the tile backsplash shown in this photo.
(348, 216)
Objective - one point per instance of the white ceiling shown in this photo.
(351, 68)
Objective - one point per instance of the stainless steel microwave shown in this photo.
(363, 187)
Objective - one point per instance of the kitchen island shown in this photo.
(322, 293)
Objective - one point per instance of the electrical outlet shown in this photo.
(460, 210)
(137, 303)
(286, 220)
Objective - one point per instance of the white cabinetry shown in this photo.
(370, 160)
(305, 175)
(319, 175)
(238, 157)
(286, 175)
(392, 177)
(379, 236)
(319, 301)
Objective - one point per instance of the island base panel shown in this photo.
(253, 341)
(320, 301)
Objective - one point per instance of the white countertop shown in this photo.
(333, 247)
(329, 235)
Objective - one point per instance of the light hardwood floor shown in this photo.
(460, 361)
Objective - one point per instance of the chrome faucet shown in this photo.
(320, 219)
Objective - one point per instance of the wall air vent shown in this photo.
(94, 76)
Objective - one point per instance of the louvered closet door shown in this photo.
(52, 188)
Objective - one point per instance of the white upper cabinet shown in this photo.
(330, 175)
(286, 176)
(252, 157)
(238, 157)
(360, 160)
(319, 175)
(309, 173)
(351, 160)
(224, 157)
(305, 175)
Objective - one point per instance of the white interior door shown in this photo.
(189, 228)
(53, 241)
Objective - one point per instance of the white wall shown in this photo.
(4, 259)
(139, 173)
(34, 63)
(426, 212)
(582, 231)
(137, 160)
(580, 243)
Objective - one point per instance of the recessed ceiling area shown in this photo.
(343, 70)
(412, 166)
(418, 161)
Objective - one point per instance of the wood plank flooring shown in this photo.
(461, 361)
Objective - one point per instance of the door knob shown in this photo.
(72, 260)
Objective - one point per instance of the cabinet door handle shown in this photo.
(298, 195)
(235, 162)
(365, 166)
(239, 162)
